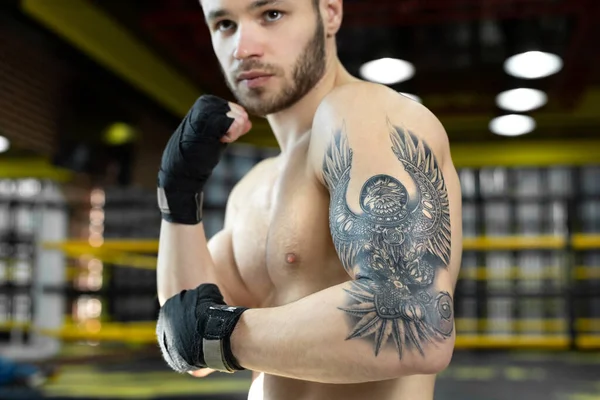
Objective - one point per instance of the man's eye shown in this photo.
(224, 25)
(272, 15)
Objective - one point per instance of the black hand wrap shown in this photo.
(189, 158)
(194, 328)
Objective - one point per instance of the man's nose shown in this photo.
(249, 43)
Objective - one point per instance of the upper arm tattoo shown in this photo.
(393, 247)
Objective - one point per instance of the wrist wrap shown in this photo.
(194, 330)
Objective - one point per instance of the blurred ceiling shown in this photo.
(458, 48)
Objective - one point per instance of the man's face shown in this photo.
(272, 52)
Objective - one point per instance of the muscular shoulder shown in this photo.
(366, 112)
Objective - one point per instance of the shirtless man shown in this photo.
(334, 275)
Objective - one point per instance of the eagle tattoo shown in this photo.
(393, 247)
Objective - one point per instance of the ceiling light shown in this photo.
(521, 100)
(412, 97)
(512, 125)
(387, 71)
(4, 144)
(533, 65)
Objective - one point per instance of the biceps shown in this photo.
(394, 226)
(226, 269)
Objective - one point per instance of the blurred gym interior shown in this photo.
(91, 90)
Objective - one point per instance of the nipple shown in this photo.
(290, 258)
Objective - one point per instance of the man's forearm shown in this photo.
(184, 261)
(307, 340)
(190, 155)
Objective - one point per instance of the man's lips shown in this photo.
(246, 76)
(254, 79)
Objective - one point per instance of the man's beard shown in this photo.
(308, 70)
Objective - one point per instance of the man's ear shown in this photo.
(332, 16)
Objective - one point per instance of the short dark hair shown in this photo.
(316, 4)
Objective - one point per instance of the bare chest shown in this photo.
(281, 240)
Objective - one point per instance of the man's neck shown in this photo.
(291, 125)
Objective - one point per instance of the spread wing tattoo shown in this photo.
(394, 246)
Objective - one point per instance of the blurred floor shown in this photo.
(472, 376)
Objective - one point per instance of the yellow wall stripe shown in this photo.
(21, 168)
(521, 153)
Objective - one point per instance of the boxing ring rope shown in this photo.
(555, 331)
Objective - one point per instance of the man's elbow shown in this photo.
(437, 357)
